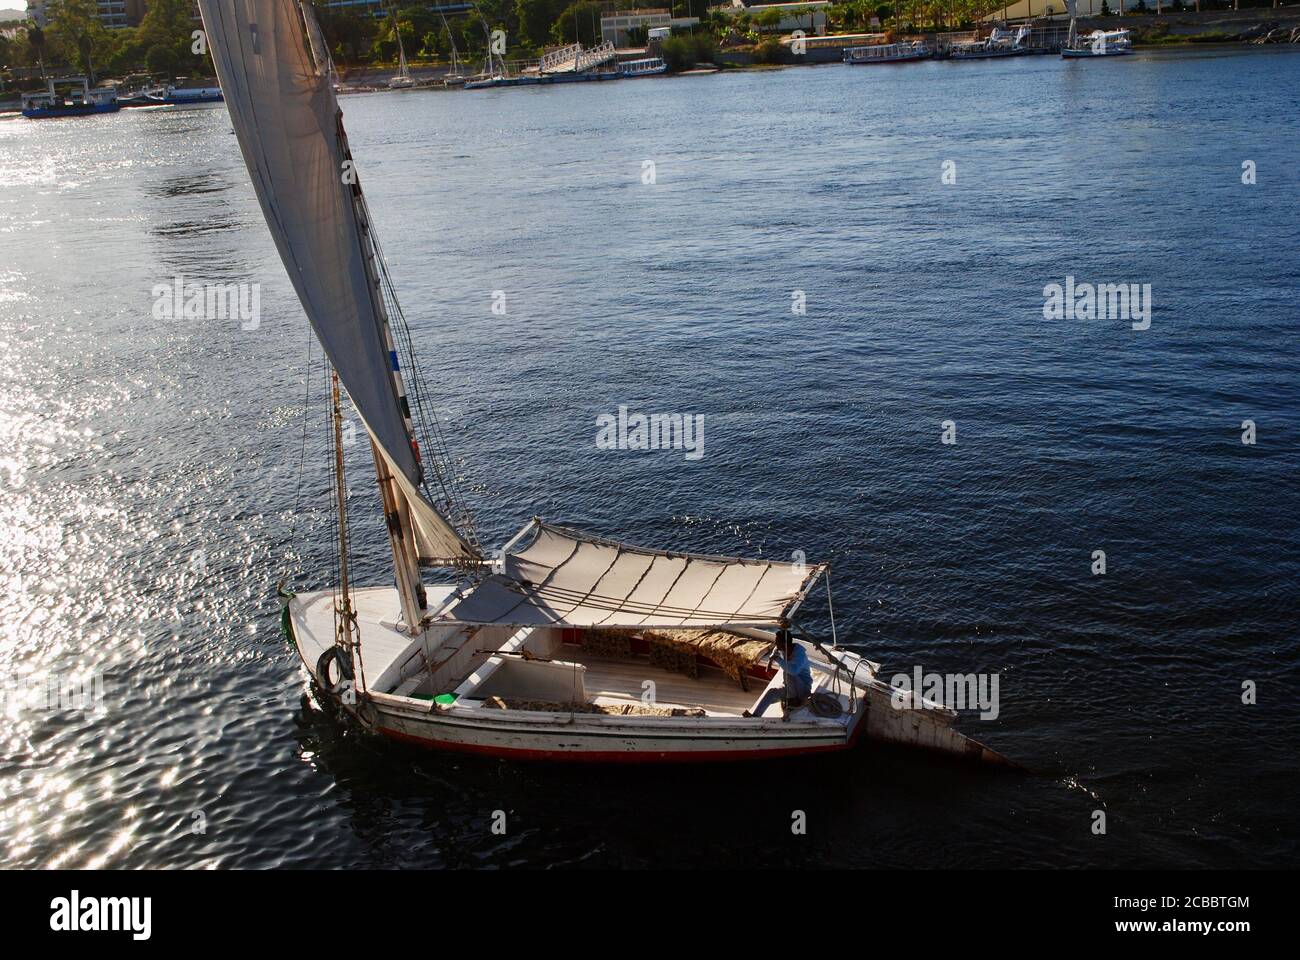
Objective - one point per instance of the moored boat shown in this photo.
(180, 92)
(561, 645)
(180, 95)
(644, 67)
(402, 80)
(1100, 43)
(79, 101)
(996, 44)
(888, 52)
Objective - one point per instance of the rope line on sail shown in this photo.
(333, 506)
(440, 461)
(554, 570)
(639, 580)
(572, 533)
(576, 598)
(302, 454)
(397, 335)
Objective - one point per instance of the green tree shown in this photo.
(160, 59)
(535, 18)
(168, 22)
(349, 34)
(579, 22)
(80, 34)
(36, 41)
(433, 45)
(678, 53)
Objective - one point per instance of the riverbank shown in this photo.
(1210, 26)
(1163, 29)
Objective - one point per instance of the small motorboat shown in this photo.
(888, 52)
(79, 100)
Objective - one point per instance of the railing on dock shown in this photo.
(1047, 38)
(574, 58)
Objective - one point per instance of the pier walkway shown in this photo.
(575, 59)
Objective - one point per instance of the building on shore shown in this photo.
(384, 8)
(1033, 9)
(113, 14)
(617, 27)
(809, 17)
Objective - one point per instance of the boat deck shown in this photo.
(377, 610)
(610, 682)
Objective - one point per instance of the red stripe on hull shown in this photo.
(611, 756)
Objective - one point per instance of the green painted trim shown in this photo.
(286, 622)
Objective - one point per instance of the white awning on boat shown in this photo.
(569, 578)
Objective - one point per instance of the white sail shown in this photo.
(290, 130)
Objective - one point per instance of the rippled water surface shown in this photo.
(154, 487)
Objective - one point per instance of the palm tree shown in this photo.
(36, 39)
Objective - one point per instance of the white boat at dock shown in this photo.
(562, 645)
(888, 52)
(1099, 43)
(644, 67)
(402, 80)
(79, 100)
(996, 44)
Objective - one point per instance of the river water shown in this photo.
(651, 238)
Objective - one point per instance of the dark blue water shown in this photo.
(153, 491)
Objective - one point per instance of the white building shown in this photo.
(37, 12)
(1033, 9)
(809, 17)
(113, 14)
(614, 27)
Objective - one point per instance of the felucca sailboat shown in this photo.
(1099, 43)
(564, 645)
(402, 79)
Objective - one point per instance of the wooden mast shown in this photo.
(397, 511)
(344, 620)
(406, 561)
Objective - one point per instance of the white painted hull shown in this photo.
(524, 735)
(528, 735)
(987, 54)
(1087, 53)
(902, 58)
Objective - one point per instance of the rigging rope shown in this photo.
(302, 457)
(453, 502)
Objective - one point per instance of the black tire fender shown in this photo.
(333, 656)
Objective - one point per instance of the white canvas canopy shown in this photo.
(567, 577)
(284, 112)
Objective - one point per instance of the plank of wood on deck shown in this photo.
(619, 681)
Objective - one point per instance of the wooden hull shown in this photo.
(518, 735)
(908, 59)
(1090, 54)
(988, 55)
(528, 735)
